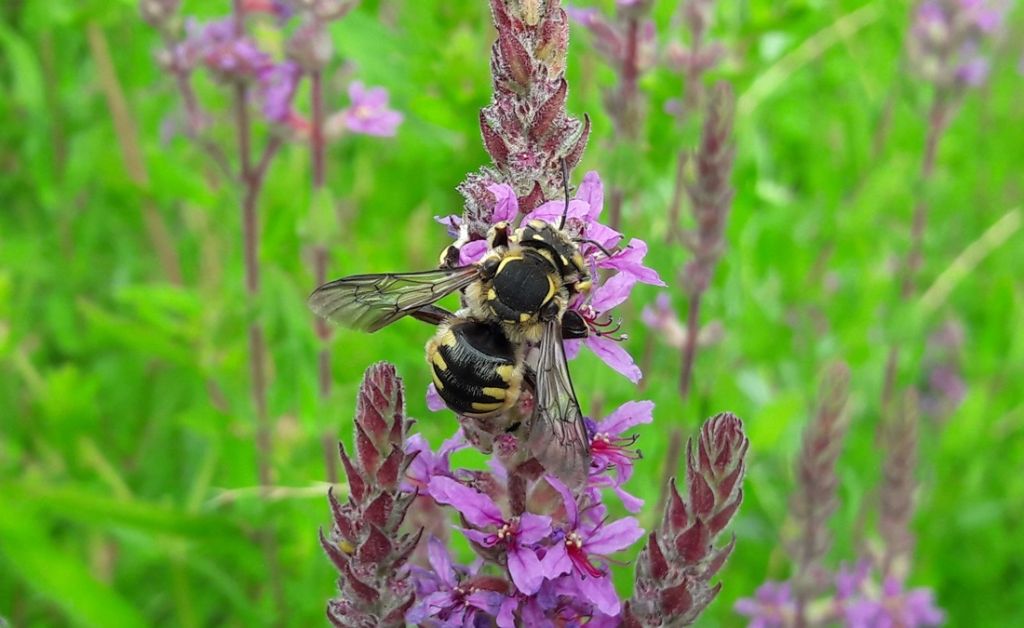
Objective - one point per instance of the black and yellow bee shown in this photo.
(515, 300)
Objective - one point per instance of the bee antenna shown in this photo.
(565, 188)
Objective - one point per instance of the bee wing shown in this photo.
(558, 437)
(370, 302)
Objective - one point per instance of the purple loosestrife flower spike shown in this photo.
(814, 499)
(898, 436)
(364, 541)
(526, 129)
(946, 43)
(711, 193)
(675, 568)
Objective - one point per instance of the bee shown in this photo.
(515, 301)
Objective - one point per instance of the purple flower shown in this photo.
(446, 595)
(583, 542)
(506, 208)
(434, 401)
(896, 607)
(663, 321)
(986, 15)
(217, 45)
(850, 582)
(606, 37)
(771, 607)
(601, 339)
(973, 71)
(609, 449)
(277, 89)
(368, 112)
(427, 464)
(514, 534)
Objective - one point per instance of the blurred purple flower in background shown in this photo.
(894, 607)
(367, 113)
(278, 84)
(221, 49)
(772, 606)
(948, 40)
(943, 387)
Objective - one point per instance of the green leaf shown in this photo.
(59, 575)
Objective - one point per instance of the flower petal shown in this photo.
(533, 528)
(506, 613)
(551, 212)
(430, 605)
(472, 252)
(452, 222)
(487, 601)
(482, 538)
(601, 592)
(572, 348)
(614, 356)
(614, 536)
(556, 562)
(603, 235)
(630, 260)
(437, 555)
(572, 511)
(525, 569)
(627, 415)
(630, 502)
(612, 292)
(591, 191)
(434, 401)
(506, 205)
(476, 507)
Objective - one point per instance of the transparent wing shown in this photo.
(558, 437)
(370, 302)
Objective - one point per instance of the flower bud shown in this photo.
(311, 46)
(157, 13)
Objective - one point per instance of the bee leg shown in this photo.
(449, 257)
(573, 326)
(498, 236)
(432, 314)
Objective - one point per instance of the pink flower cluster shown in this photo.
(234, 56)
(547, 560)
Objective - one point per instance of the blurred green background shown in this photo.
(128, 486)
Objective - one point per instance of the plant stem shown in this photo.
(627, 122)
(317, 147)
(252, 184)
(937, 120)
(689, 353)
(690, 344)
